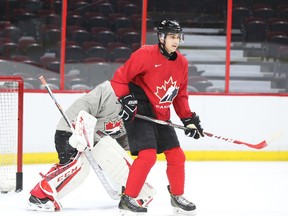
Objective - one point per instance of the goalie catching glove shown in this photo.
(129, 107)
(194, 129)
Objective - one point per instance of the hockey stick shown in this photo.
(255, 146)
(112, 193)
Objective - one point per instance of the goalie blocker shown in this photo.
(113, 160)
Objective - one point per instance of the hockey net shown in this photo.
(11, 133)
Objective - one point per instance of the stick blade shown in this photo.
(260, 145)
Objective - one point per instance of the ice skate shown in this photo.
(45, 205)
(181, 205)
(129, 206)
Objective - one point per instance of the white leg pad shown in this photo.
(115, 163)
(65, 179)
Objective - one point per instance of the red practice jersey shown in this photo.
(164, 81)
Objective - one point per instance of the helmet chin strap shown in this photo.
(164, 52)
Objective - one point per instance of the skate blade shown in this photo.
(180, 211)
(33, 207)
(123, 212)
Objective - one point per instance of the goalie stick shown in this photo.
(112, 193)
(157, 121)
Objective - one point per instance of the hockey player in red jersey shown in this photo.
(152, 79)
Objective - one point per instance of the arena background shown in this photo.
(237, 52)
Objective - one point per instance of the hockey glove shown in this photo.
(194, 129)
(78, 142)
(129, 107)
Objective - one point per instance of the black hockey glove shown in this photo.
(129, 107)
(194, 129)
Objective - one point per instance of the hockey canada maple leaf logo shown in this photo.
(113, 127)
(168, 91)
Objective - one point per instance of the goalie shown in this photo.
(108, 151)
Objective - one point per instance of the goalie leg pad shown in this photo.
(115, 163)
(69, 177)
(62, 179)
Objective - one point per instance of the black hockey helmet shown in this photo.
(169, 26)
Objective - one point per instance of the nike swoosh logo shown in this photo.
(157, 65)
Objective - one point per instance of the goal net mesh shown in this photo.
(9, 134)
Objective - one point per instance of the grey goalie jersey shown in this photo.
(102, 103)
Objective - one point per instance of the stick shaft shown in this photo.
(55, 101)
(157, 121)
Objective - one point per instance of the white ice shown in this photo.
(217, 189)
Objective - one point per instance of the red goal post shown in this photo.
(11, 133)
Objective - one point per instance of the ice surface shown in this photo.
(217, 189)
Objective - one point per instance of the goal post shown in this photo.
(11, 133)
